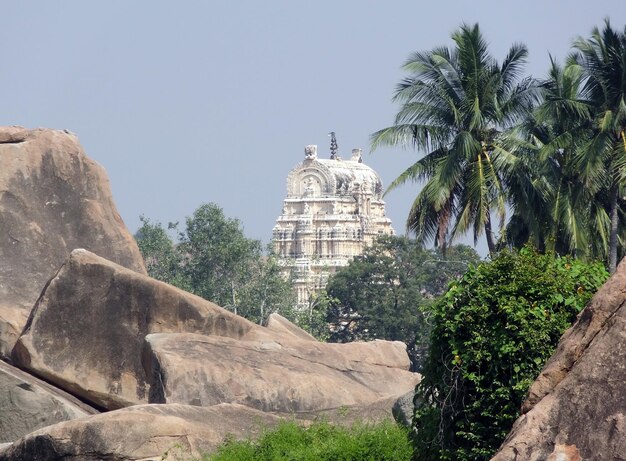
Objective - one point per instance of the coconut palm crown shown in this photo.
(552, 207)
(602, 161)
(458, 105)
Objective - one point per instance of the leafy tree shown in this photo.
(162, 260)
(218, 256)
(457, 105)
(313, 319)
(491, 335)
(382, 293)
(268, 291)
(215, 260)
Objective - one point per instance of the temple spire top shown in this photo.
(333, 145)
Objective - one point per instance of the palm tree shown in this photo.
(457, 105)
(552, 207)
(602, 160)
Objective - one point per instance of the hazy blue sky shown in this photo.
(190, 102)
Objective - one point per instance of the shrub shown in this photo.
(319, 442)
(492, 333)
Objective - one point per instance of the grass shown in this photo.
(321, 441)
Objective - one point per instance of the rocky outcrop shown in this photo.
(105, 332)
(105, 311)
(86, 331)
(143, 432)
(576, 408)
(53, 199)
(281, 375)
(27, 404)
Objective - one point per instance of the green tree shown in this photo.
(492, 332)
(314, 318)
(553, 208)
(267, 291)
(218, 256)
(163, 261)
(215, 260)
(458, 105)
(575, 170)
(382, 293)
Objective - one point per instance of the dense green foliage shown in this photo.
(163, 261)
(575, 167)
(320, 442)
(382, 294)
(215, 260)
(492, 332)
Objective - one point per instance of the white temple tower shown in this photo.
(333, 210)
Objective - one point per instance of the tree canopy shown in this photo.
(215, 260)
(383, 293)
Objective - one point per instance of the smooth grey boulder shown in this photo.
(53, 199)
(28, 404)
(404, 408)
(142, 432)
(286, 375)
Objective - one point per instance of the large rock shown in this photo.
(27, 404)
(143, 432)
(285, 375)
(86, 335)
(86, 332)
(576, 408)
(53, 198)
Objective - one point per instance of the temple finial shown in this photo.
(333, 145)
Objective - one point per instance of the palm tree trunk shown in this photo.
(613, 235)
(488, 233)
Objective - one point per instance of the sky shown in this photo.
(191, 102)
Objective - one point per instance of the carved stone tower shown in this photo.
(333, 210)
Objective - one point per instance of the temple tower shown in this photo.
(333, 210)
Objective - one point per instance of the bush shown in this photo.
(321, 441)
(492, 333)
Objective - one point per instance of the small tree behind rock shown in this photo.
(215, 260)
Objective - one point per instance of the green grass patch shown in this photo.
(321, 441)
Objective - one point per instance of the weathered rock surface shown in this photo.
(578, 404)
(283, 375)
(27, 404)
(280, 324)
(105, 311)
(143, 432)
(86, 332)
(53, 199)
(404, 408)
